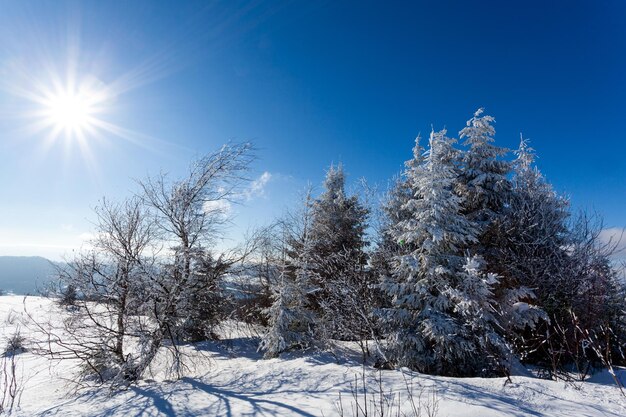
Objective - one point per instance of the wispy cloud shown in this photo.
(224, 207)
(257, 187)
(217, 207)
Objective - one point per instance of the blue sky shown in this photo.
(311, 83)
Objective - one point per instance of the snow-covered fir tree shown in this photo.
(564, 262)
(339, 220)
(487, 192)
(338, 243)
(291, 319)
(431, 330)
(484, 184)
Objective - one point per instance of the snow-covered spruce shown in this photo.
(290, 317)
(339, 253)
(487, 191)
(430, 329)
(483, 181)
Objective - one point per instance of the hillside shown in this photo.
(23, 275)
(231, 379)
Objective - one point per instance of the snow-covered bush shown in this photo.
(16, 344)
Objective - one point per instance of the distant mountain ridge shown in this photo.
(23, 275)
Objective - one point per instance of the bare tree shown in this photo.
(190, 215)
(150, 278)
(108, 283)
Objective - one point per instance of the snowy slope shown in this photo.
(230, 379)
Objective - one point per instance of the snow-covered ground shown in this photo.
(231, 379)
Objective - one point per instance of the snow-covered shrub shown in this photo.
(69, 295)
(16, 344)
(290, 321)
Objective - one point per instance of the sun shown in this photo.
(70, 112)
(76, 112)
(65, 109)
